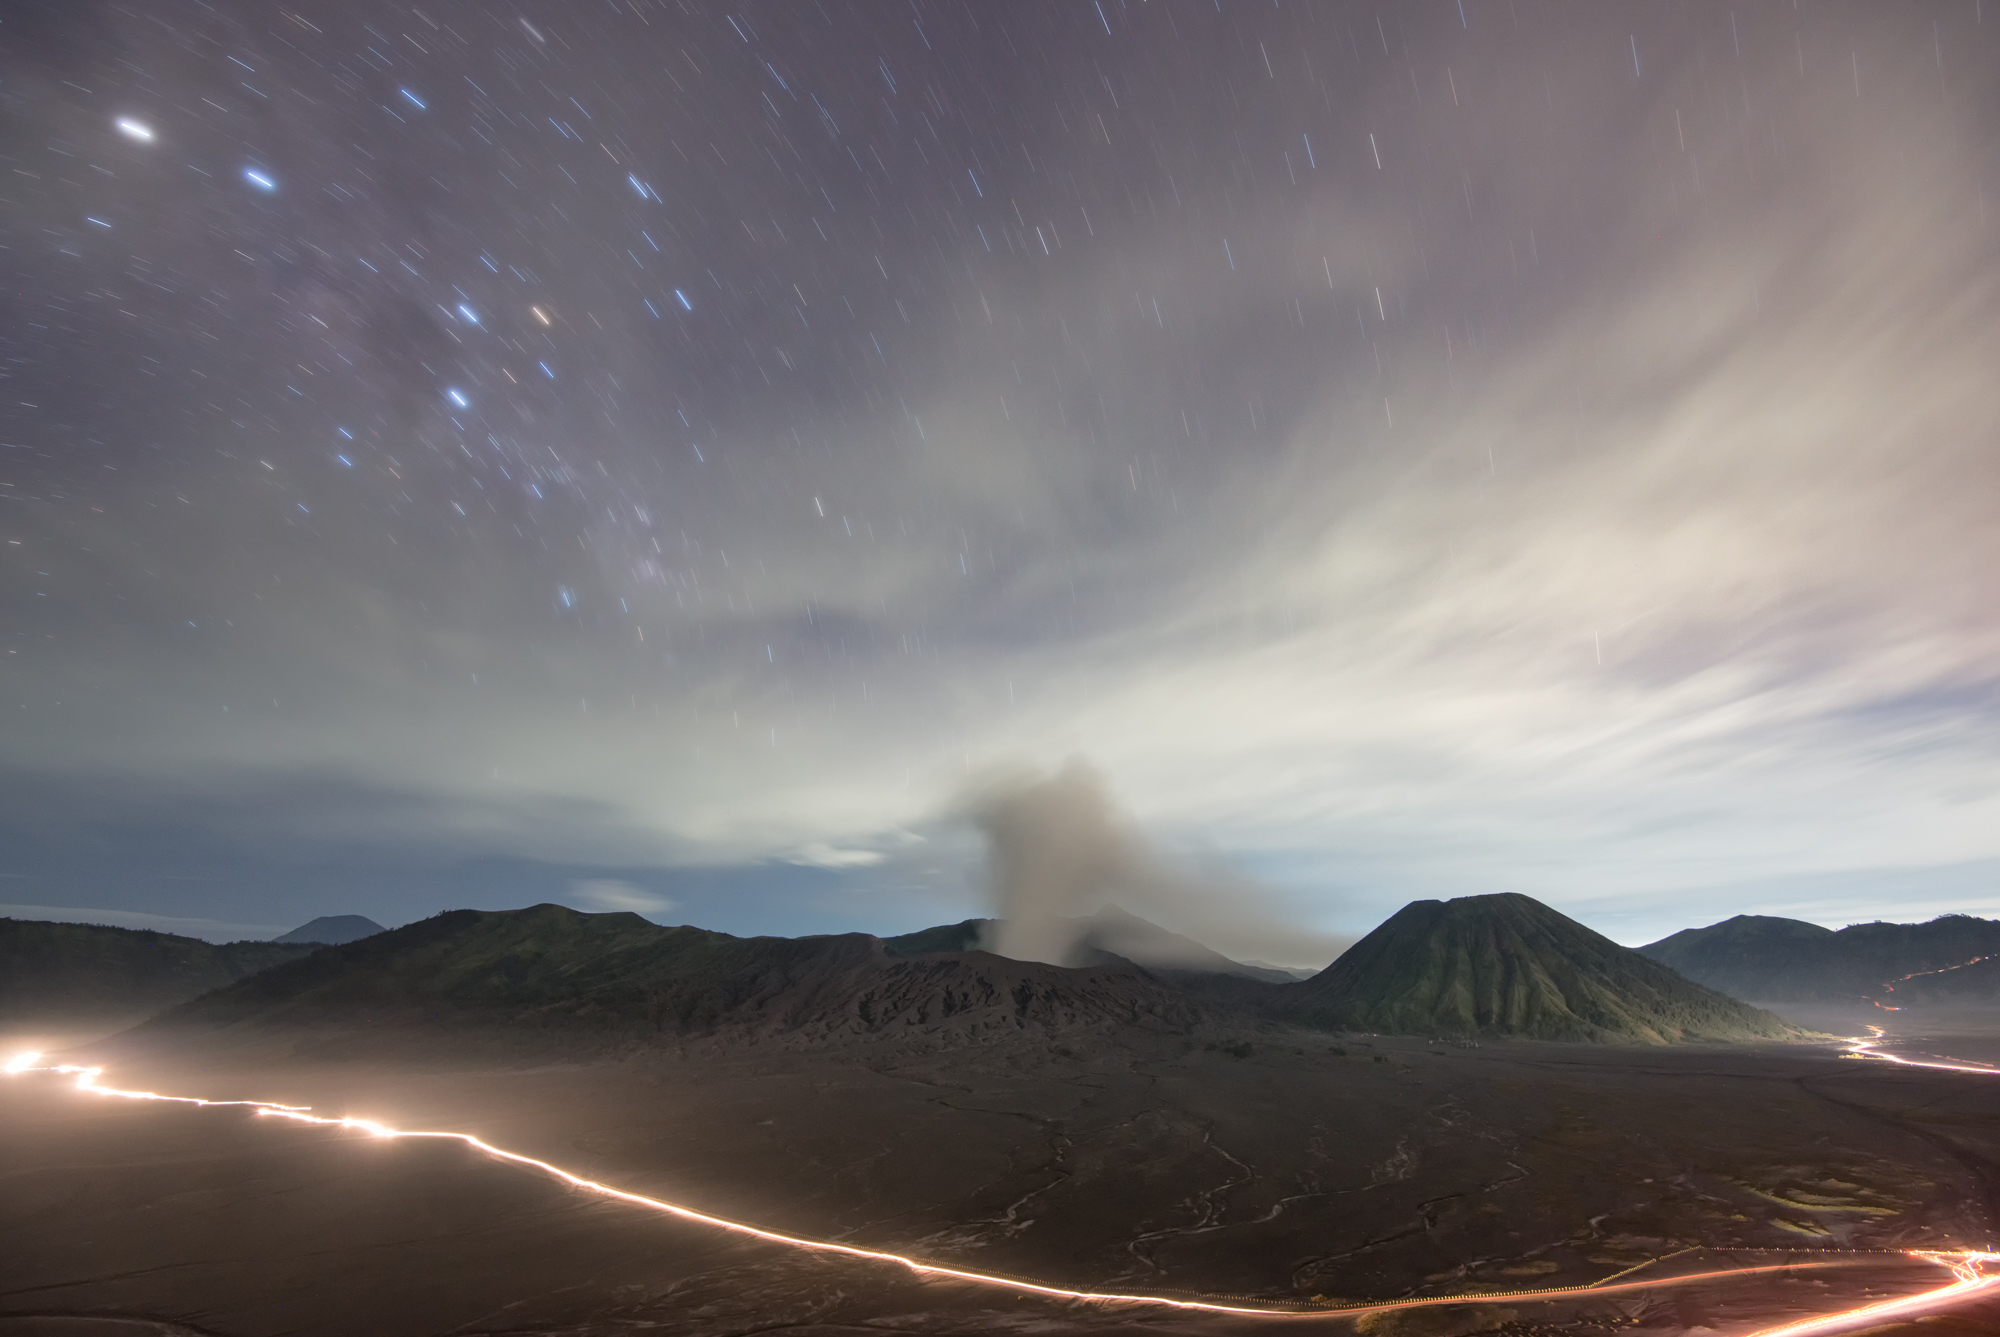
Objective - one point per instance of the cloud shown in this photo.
(822, 855)
(1686, 579)
(605, 893)
(1585, 490)
(1059, 854)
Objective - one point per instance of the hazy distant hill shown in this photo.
(1507, 965)
(1116, 933)
(1110, 935)
(964, 936)
(329, 930)
(74, 970)
(1786, 960)
(550, 966)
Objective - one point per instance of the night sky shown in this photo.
(667, 455)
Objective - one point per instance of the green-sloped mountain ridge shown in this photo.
(1508, 965)
(1478, 966)
(550, 966)
(52, 969)
(1788, 960)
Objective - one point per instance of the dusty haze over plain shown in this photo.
(652, 457)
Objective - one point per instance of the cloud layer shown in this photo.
(1410, 455)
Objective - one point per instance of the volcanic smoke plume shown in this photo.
(1061, 854)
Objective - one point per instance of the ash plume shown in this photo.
(1064, 861)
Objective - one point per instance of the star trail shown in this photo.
(1425, 447)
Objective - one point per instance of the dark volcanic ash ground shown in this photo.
(1271, 1165)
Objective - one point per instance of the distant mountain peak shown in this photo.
(1788, 960)
(1112, 934)
(1118, 933)
(332, 930)
(1756, 926)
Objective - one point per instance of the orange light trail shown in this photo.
(1859, 1048)
(1964, 1265)
(1941, 970)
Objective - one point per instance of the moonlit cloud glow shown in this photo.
(1542, 449)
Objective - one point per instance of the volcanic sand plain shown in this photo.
(1265, 1167)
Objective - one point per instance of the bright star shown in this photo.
(258, 179)
(138, 130)
(455, 397)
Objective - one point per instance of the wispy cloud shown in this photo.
(603, 893)
(1586, 489)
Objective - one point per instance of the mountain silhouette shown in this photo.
(330, 930)
(52, 969)
(1507, 965)
(1112, 934)
(1787, 960)
(552, 967)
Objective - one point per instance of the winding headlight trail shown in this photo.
(1973, 1271)
(1860, 1048)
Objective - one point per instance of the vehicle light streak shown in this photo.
(1964, 1265)
(1859, 1048)
(1941, 970)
